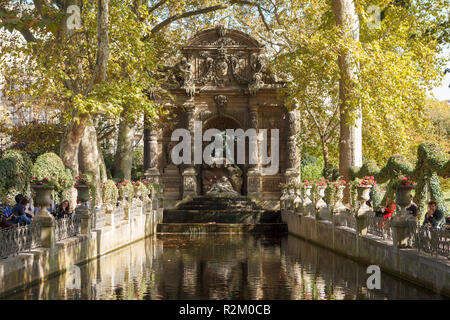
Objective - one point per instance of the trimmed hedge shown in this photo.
(49, 165)
(15, 172)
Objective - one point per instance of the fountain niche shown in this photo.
(222, 177)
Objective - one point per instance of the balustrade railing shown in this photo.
(433, 241)
(379, 226)
(118, 214)
(423, 238)
(19, 238)
(67, 227)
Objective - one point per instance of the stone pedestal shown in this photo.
(109, 214)
(361, 224)
(190, 185)
(321, 206)
(47, 223)
(254, 184)
(152, 175)
(83, 212)
(400, 234)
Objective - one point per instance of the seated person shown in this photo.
(434, 216)
(63, 210)
(25, 202)
(18, 212)
(411, 208)
(389, 210)
(5, 213)
(6, 209)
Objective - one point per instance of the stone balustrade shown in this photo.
(418, 253)
(49, 246)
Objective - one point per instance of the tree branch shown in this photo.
(188, 14)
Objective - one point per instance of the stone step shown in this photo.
(221, 216)
(189, 228)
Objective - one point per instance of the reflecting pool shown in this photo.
(221, 267)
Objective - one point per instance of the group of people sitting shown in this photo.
(434, 217)
(22, 213)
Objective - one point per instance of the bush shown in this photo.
(110, 193)
(126, 189)
(15, 171)
(49, 165)
(137, 170)
(330, 172)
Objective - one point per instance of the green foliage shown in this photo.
(330, 172)
(15, 171)
(110, 193)
(311, 167)
(126, 190)
(89, 177)
(137, 169)
(35, 138)
(431, 162)
(49, 165)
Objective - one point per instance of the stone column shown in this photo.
(152, 173)
(190, 185)
(292, 173)
(83, 212)
(47, 223)
(254, 182)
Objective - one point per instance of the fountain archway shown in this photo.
(210, 174)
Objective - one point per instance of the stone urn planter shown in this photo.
(307, 200)
(284, 196)
(82, 193)
(402, 198)
(290, 201)
(321, 205)
(338, 204)
(298, 202)
(43, 195)
(363, 197)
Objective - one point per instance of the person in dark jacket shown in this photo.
(20, 216)
(434, 216)
(411, 208)
(63, 210)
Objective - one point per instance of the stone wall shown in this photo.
(28, 268)
(432, 272)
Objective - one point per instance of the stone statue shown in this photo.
(222, 186)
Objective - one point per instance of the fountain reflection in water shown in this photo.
(222, 267)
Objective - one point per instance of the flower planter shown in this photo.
(403, 199)
(338, 204)
(403, 195)
(82, 193)
(43, 195)
(363, 197)
(321, 204)
(298, 206)
(307, 203)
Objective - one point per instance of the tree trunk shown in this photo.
(325, 153)
(124, 152)
(350, 150)
(89, 157)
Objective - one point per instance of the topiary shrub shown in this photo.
(49, 165)
(15, 171)
(126, 190)
(110, 193)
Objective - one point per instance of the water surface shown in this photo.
(221, 267)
